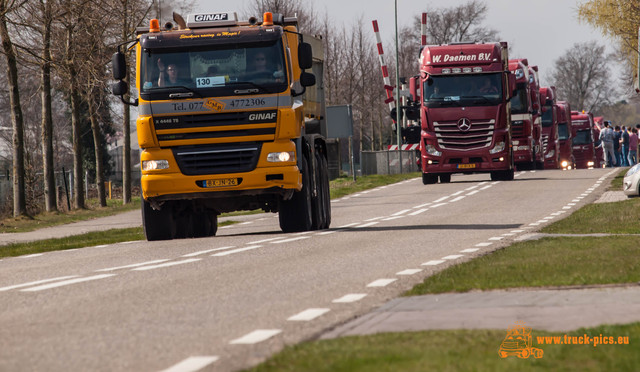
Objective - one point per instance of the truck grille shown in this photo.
(517, 130)
(217, 159)
(477, 137)
(545, 143)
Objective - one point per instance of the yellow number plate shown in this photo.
(224, 182)
(466, 166)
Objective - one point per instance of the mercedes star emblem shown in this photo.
(464, 124)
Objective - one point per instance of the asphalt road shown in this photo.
(228, 302)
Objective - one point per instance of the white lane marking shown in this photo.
(584, 195)
(328, 232)
(457, 193)
(541, 221)
(486, 187)
(207, 251)
(562, 212)
(228, 226)
(556, 214)
(256, 336)
(483, 244)
(246, 223)
(457, 199)
(567, 207)
(534, 224)
(433, 263)
(496, 238)
(374, 218)
(438, 205)
(67, 282)
(473, 192)
(348, 225)
(290, 240)
(392, 218)
(101, 246)
(422, 205)
(367, 225)
(226, 253)
(408, 272)
(265, 240)
(575, 200)
(441, 199)
(401, 212)
(418, 212)
(517, 231)
(351, 297)
(469, 250)
(192, 364)
(452, 257)
(508, 234)
(303, 233)
(37, 282)
(471, 188)
(32, 255)
(549, 218)
(381, 282)
(133, 265)
(309, 314)
(168, 264)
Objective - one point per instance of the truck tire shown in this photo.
(445, 178)
(295, 214)
(158, 225)
(204, 224)
(319, 214)
(327, 192)
(429, 179)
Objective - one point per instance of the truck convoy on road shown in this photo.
(550, 143)
(463, 94)
(583, 139)
(567, 160)
(224, 123)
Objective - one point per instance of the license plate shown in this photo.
(466, 166)
(224, 182)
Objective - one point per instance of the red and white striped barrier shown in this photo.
(385, 72)
(412, 146)
(423, 30)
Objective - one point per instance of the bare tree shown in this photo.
(582, 77)
(304, 11)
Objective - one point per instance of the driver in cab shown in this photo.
(258, 67)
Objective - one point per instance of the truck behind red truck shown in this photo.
(465, 111)
(536, 116)
(567, 160)
(524, 145)
(550, 143)
(583, 139)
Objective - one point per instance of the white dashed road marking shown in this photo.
(381, 282)
(308, 315)
(256, 336)
(352, 297)
(168, 264)
(192, 364)
(36, 283)
(67, 282)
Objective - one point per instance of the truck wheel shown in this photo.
(158, 225)
(445, 178)
(295, 214)
(429, 179)
(327, 192)
(319, 214)
(204, 224)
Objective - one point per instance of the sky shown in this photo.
(540, 30)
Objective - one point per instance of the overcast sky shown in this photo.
(539, 30)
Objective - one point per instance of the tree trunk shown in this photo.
(97, 142)
(19, 196)
(126, 130)
(47, 121)
(78, 172)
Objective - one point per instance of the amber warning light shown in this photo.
(267, 19)
(154, 25)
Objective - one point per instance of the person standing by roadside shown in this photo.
(624, 141)
(616, 145)
(606, 140)
(633, 147)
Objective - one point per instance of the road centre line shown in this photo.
(381, 282)
(438, 205)
(256, 336)
(265, 240)
(290, 240)
(226, 253)
(308, 315)
(472, 187)
(418, 212)
(374, 218)
(457, 193)
(392, 218)
(67, 282)
(37, 282)
(457, 199)
(408, 272)
(486, 187)
(441, 199)
(348, 298)
(422, 205)
(401, 212)
(207, 251)
(348, 225)
(167, 264)
(133, 265)
(473, 192)
(192, 364)
(328, 232)
(366, 225)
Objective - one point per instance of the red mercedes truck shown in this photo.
(464, 106)
(583, 139)
(550, 143)
(536, 115)
(522, 116)
(567, 160)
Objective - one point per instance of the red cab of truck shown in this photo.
(536, 115)
(583, 139)
(565, 134)
(465, 110)
(550, 143)
(522, 116)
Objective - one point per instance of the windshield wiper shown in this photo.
(248, 91)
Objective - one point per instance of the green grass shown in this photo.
(345, 185)
(616, 183)
(457, 350)
(545, 262)
(621, 217)
(71, 242)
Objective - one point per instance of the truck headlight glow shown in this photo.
(564, 163)
(497, 148)
(149, 165)
(550, 154)
(431, 150)
(590, 164)
(280, 157)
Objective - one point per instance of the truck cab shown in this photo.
(550, 143)
(565, 134)
(536, 115)
(465, 111)
(524, 145)
(583, 139)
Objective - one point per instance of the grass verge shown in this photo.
(457, 350)
(346, 185)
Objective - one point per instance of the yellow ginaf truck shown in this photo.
(228, 120)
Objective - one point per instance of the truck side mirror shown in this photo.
(412, 113)
(120, 88)
(305, 56)
(119, 66)
(307, 79)
(414, 89)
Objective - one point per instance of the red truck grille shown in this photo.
(517, 130)
(451, 137)
(545, 143)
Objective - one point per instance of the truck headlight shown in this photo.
(431, 150)
(149, 165)
(564, 163)
(590, 164)
(280, 157)
(497, 148)
(550, 154)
